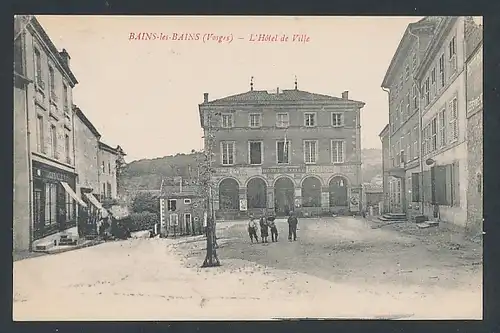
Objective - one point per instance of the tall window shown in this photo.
(255, 120)
(434, 134)
(337, 151)
(407, 72)
(38, 68)
(414, 62)
(103, 167)
(53, 139)
(65, 98)
(433, 81)
(109, 167)
(227, 120)
(441, 71)
(310, 119)
(103, 194)
(415, 96)
(67, 148)
(40, 144)
(452, 47)
(442, 127)
(255, 152)
(227, 155)
(310, 151)
(401, 82)
(426, 92)
(408, 146)
(109, 190)
(282, 152)
(337, 119)
(408, 112)
(428, 139)
(282, 120)
(52, 81)
(50, 204)
(402, 111)
(172, 205)
(454, 120)
(415, 142)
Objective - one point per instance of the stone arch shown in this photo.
(335, 175)
(278, 177)
(256, 188)
(229, 194)
(311, 191)
(284, 194)
(259, 177)
(314, 176)
(338, 186)
(228, 177)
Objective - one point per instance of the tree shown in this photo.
(146, 202)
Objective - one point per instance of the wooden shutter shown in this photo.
(456, 184)
(433, 185)
(440, 181)
(449, 185)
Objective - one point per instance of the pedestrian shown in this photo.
(274, 230)
(252, 230)
(292, 226)
(264, 229)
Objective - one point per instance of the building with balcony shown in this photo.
(44, 139)
(284, 150)
(474, 98)
(402, 135)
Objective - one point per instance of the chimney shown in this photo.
(345, 95)
(205, 97)
(65, 56)
(278, 90)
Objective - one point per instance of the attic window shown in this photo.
(187, 201)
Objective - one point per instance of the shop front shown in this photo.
(54, 200)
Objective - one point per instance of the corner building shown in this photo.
(284, 150)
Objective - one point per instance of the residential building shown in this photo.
(182, 210)
(87, 151)
(284, 150)
(442, 79)
(474, 112)
(402, 136)
(386, 165)
(44, 154)
(108, 159)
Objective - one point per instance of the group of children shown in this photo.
(266, 223)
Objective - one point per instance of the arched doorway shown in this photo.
(256, 193)
(311, 192)
(283, 196)
(338, 192)
(229, 194)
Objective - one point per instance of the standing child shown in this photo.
(252, 230)
(292, 226)
(274, 230)
(264, 229)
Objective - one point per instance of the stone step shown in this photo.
(44, 246)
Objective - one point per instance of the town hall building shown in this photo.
(284, 150)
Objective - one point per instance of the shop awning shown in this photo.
(72, 194)
(93, 200)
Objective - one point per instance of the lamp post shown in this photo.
(211, 259)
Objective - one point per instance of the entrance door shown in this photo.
(283, 196)
(39, 214)
(187, 220)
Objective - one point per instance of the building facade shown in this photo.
(430, 175)
(386, 165)
(44, 119)
(474, 98)
(402, 135)
(108, 160)
(444, 148)
(182, 210)
(285, 150)
(87, 151)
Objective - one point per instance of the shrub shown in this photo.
(146, 202)
(140, 221)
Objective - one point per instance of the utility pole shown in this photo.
(211, 259)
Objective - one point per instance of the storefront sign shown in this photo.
(52, 175)
(474, 95)
(284, 169)
(329, 169)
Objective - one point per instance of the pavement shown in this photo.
(338, 268)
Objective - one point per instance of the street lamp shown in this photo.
(211, 259)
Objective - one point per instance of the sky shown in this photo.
(143, 94)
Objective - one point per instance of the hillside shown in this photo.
(147, 174)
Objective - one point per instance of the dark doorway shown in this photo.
(256, 193)
(338, 192)
(311, 192)
(229, 194)
(283, 196)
